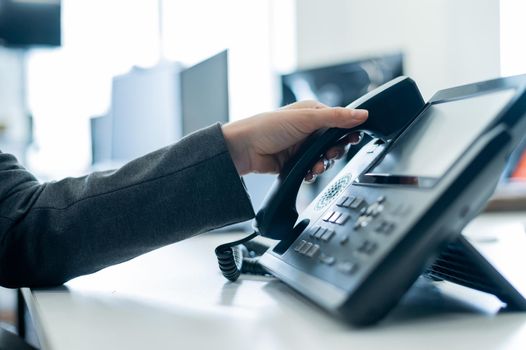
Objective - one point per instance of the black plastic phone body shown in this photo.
(380, 223)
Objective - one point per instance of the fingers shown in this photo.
(309, 120)
(334, 153)
(340, 117)
(321, 166)
(338, 150)
(355, 138)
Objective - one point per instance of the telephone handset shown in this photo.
(391, 107)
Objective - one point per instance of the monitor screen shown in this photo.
(440, 135)
(28, 23)
(204, 93)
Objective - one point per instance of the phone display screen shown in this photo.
(432, 144)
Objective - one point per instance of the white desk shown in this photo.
(175, 298)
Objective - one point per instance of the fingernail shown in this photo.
(309, 180)
(327, 164)
(360, 137)
(360, 114)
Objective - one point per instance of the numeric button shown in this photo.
(327, 259)
(334, 217)
(342, 219)
(300, 245)
(319, 234)
(328, 215)
(356, 203)
(367, 247)
(327, 235)
(312, 251)
(313, 231)
(347, 267)
(305, 248)
(385, 227)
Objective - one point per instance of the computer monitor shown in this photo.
(29, 23)
(145, 111)
(204, 93)
(340, 84)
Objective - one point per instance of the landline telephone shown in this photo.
(396, 209)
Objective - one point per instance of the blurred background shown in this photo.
(89, 85)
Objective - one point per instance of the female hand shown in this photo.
(263, 143)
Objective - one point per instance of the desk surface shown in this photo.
(176, 298)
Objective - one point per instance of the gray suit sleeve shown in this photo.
(52, 232)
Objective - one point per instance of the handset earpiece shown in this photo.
(391, 107)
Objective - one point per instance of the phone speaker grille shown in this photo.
(333, 191)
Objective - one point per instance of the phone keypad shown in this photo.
(336, 217)
(367, 214)
(342, 248)
(321, 233)
(306, 248)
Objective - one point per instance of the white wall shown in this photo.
(447, 42)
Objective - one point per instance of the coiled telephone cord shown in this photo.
(239, 257)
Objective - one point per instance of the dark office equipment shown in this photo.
(340, 84)
(29, 23)
(397, 208)
(204, 93)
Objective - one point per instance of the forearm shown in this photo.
(56, 231)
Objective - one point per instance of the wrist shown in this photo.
(237, 147)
